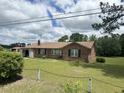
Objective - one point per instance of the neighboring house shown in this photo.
(16, 49)
(64, 50)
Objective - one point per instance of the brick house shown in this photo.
(64, 50)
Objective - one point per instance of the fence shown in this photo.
(42, 81)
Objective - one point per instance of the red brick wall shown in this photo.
(48, 54)
(84, 52)
(92, 56)
(88, 55)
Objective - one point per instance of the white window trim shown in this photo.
(74, 54)
(56, 52)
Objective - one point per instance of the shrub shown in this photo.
(71, 87)
(11, 65)
(100, 60)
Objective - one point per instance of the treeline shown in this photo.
(112, 45)
(5, 46)
(12, 45)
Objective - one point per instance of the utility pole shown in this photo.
(90, 85)
(38, 74)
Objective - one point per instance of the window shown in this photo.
(41, 51)
(74, 53)
(56, 52)
(38, 51)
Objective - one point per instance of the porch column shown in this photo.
(21, 51)
(31, 53)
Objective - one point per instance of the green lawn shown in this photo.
(111, 72)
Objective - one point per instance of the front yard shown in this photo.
(107, 78)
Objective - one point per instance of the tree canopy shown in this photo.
(122, 44)
(111, 17)
(112, 45)
(108, 46)
(63, 38)
(77, 37)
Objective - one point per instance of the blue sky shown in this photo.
(54, 22)
(48, 31)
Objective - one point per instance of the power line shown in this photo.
(53, 15)
(59, 18)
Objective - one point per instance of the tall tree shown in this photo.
(93, 38)
(111, 17)
(77, 37)
(122, 44)
(63, 38)
(108, 46)
(84, 37)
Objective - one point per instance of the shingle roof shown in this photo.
(88, 44)
(49, 45)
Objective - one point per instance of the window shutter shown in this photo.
(45, 51)
(69, 52)
(38, 51)
(79, 53)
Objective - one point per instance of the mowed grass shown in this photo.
(111, 72)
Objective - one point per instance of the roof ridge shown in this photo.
(87, 44)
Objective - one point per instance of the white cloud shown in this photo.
(21, 9)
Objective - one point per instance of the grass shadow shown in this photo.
(10, 80)
(74, 63)
(111, 70)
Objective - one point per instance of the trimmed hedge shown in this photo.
(100, 60)
(11, 64)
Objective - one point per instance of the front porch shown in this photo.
(74, 54)
(52, 53)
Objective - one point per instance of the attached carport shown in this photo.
(28, 52)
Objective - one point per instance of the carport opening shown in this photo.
(26, 53)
